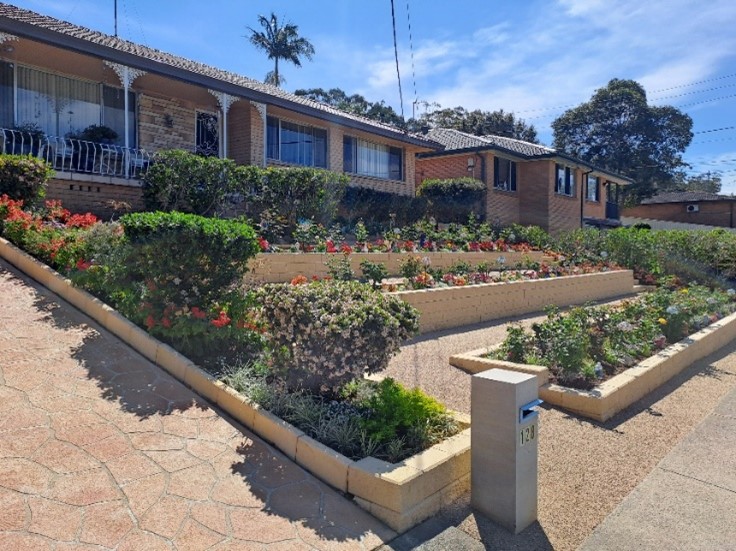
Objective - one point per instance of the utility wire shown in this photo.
(396, 55)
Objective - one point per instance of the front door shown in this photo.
(208, 135)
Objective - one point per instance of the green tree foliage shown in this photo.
(708, 181)
(478, 123)
(280, 41)
(618, 130)
(355, 104)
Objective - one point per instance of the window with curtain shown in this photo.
(296, 144)
(504, 174)
(371, 159)
(113, 113)
(593, 188)
(6, 94)
(62, 106)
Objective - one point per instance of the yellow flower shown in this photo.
(683, 290)
(662, 321)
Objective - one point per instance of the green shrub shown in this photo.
(180, 277)
(24, 178)
(182, 181)
(328, 333)
(402, 418)
(294, 194)
(374, 272)
(453, 199)
(380, 210)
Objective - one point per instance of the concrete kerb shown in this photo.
(619, 392)
(401, 494)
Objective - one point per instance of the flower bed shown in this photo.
(445, 308)
(615, 361)
(401, 494)
(283, 267)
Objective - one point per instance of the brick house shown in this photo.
(688, 207)
(526, 183)
(61, 78)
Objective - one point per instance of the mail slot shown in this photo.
(504, 441)
(527, 412)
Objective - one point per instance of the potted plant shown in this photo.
(24, 139)
(98, 133)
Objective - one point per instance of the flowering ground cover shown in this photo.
(589, 344)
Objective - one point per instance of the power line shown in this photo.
(411, 50)
(715, 130)
(694, 83)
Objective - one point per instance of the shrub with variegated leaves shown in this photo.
(327, 333)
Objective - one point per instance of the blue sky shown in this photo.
(535, 58)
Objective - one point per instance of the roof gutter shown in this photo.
(53, 38)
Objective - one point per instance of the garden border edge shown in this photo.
(400, 494)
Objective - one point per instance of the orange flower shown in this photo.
(222, 320)
(298, 280)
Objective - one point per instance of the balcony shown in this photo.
(70, 155)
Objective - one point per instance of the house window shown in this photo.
(504, 174)
(61, 105)
(296, 144)
(6, 91)
(372, 159)
(593, 187)
(565, 182)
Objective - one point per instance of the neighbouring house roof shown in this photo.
(685, 197)
(28, 24)
(455, 141)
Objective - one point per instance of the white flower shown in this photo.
(604, 254)
(176, 281)
(625, 326)
(673, 310)
(731, 292)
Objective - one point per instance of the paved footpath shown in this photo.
(100, 449)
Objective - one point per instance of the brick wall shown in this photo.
(257, 136)
(533, 181)
(165, 123)
(564, 211)
(105, 197)
(239, 132)
(711, 213)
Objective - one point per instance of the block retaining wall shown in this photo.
(449, 307)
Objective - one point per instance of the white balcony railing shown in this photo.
(73, 155)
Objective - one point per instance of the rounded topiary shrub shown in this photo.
(23, 177)
(328, 333)
(180, 277)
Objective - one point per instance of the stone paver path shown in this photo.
(100, 449)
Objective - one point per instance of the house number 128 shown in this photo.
(528, 433)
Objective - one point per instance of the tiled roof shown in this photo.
(455, 139)
(686, 197)
(94, 37)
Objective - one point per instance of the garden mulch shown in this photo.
(101, 449)
(586, 468)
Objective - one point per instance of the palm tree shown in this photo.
(280, 42)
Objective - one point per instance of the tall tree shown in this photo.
(618, 130)
(478, 123)
(280, 41)
(355, 104)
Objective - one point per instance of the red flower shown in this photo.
(263, 244)
(81, 220)
(82, 265)
(197, 313)
(331, 246)
(166, 322)
(346, 249)
(150, 322)
(222, 320)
